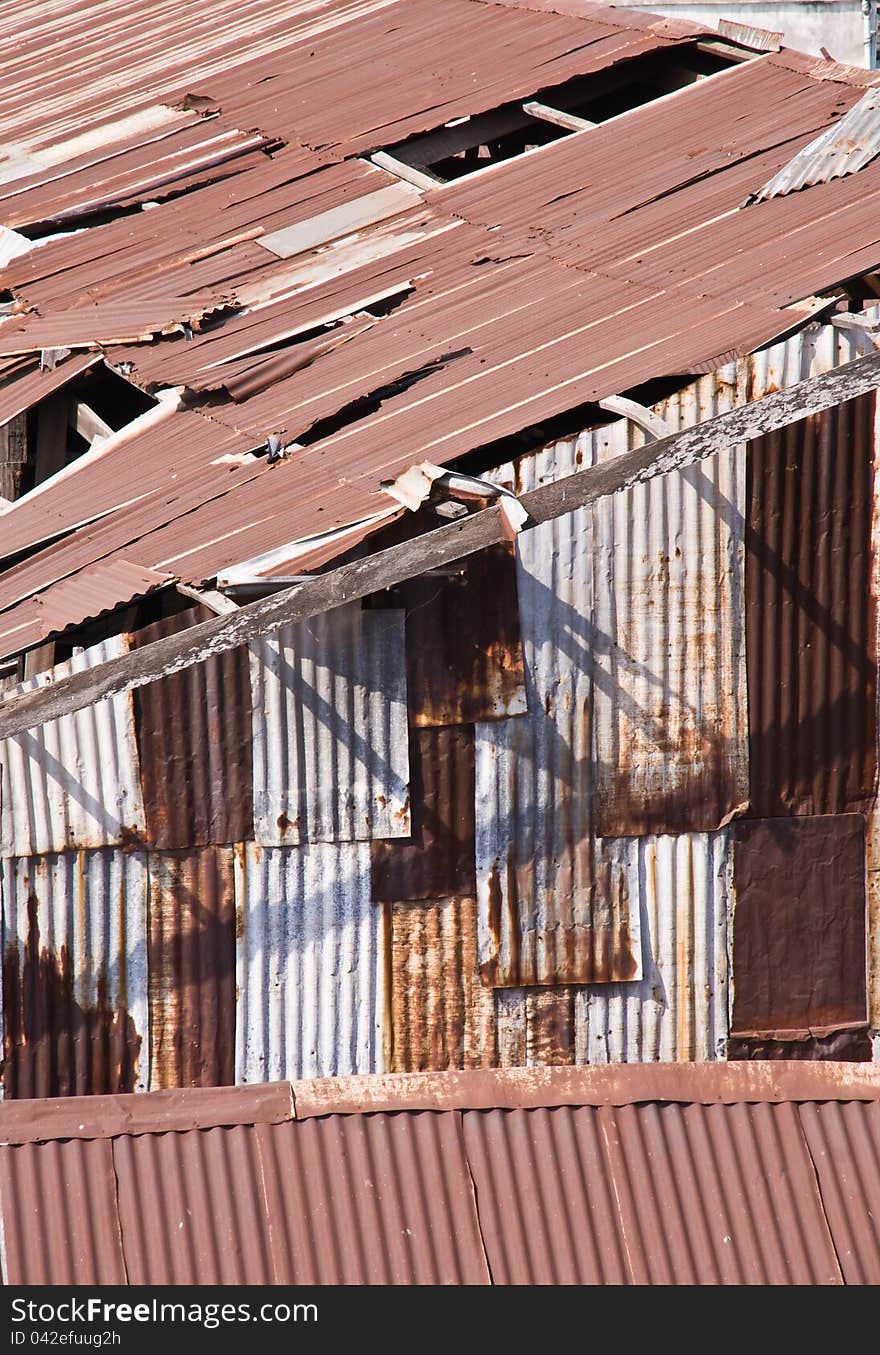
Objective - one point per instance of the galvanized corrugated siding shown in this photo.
(194, 738)
(811, 617)
(442, 1015)
(192, 968)
(554, 902)
(191, 1208)
(678, 1010)
(75, 973)
(843, 148)
(649, 1195)
(73, 782)
(60, 1224)
(330, 731)
(310, 962)
(372, 1199)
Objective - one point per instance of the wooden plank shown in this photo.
(351, 216)
(87, 423)
(438, 547)
(570, 121)
(419, 178)
(13, 456)
(51, 455)
(640, 415)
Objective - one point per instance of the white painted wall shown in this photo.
(837, 25)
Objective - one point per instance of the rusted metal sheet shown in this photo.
(799, 943)
(554, 902)
(843, 148)
(844, 1143)
(437, 861)
(330, 730)
(811, 615)
(442, 1015)
(464, 659)
(75, 973)
(34, 383)
(59, 1220)
(195, 745)
(400, 1184)
(649, 1195)
(844, 1046)
(192, 968)
(191, 1208)
(538, 1027)
(73, 783)
(310, 962)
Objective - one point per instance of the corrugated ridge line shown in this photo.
(309, 963)
(73, 782)
(331, 757)
(75, 973)
(844, 1142)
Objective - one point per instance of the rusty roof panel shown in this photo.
(74, 931)
(843, 148)
(811, 643)
(35, 383)
(194, 742)
(799, 942)
(73, 783)
(192, 968)
(60, 1223)
(399, 1184)
(442, 1015)
(310, 962)
(646, 1195)
(191, 1208)
(329, 728)
(844, 1143)
(437, 860)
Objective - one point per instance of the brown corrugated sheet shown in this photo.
(442, 1015)
(437, 860)
(191, 971)
(196, 746)
(810, 615)
(699, 1190)
(843, 1046)
(799, 940)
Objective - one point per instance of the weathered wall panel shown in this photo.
(372, 1199)
(442, 1015)
(539, 1027)
(194, 739)
(192, 968)
(437, 861)
(811, 616)
(73, 782)
(799, 943)
(310, 963)
(60, 1224)
(330, 730)
(844, 1046)
(75, 973)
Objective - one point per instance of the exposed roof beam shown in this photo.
(640, 415)
(570, 121)
(439, 547)
(419, 178)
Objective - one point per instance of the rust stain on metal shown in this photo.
(195, 745)
(536, 1027)
(843, 1046)
(441, 1014)
(52, 1045)
(703, 802)
(192, 968)
(437, 860)
(811, 616)
(799, 942)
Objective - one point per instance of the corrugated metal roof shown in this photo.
(747, 1174)
(310, 964)
(489, 258)
(331, 761)
(844, 148)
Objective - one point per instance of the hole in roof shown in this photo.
(467, 144)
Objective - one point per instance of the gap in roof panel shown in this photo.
(465, 145)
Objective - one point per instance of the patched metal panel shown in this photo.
(192, 968)
(437, 860)
(442, 1015)
(844, 1046)
(843, 148)
(310, 962)
(811, 616)
(539, 1027)
(73, 782)
(844, 1143)
(75, 973)
(799, 942)
(330, 730)
(194, 738)
(554, 902)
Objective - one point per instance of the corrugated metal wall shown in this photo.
(74, 782)
(330, 731)
(310, 959)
